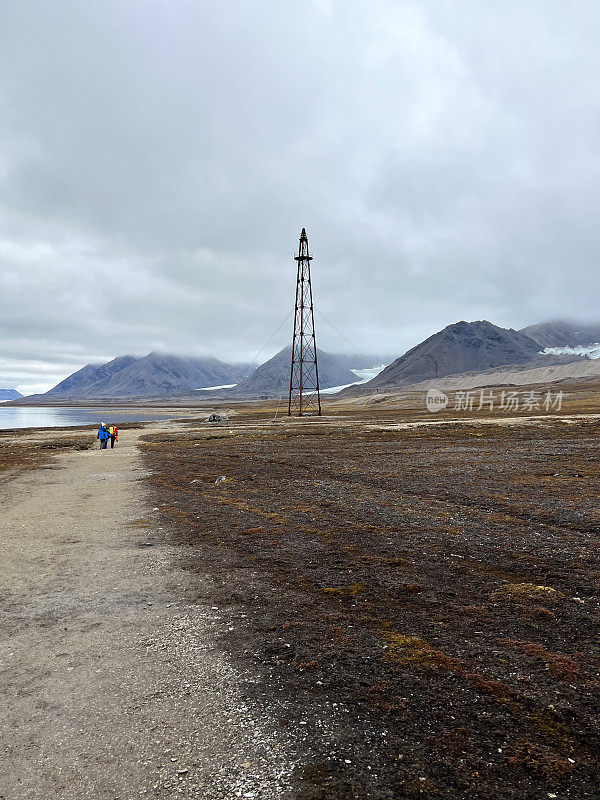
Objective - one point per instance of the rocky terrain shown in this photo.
(542, 372)
(560, 333)
(461, 347)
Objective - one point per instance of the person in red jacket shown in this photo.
(114, 435)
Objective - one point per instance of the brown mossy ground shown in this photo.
(440, 585)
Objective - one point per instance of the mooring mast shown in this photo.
(304, 397)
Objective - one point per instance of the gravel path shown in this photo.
(111, 683)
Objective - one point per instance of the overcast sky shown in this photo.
(159, 158)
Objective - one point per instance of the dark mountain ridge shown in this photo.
(563, 333)
(152, 375)
(461, 347)
(88, 376)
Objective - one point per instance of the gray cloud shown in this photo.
(157, 161)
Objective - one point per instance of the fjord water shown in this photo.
(47, 417)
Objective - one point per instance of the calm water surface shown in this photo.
(41, 417)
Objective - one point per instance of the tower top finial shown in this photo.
(303, 234)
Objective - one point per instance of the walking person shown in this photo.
(114, 435)
(103, 435)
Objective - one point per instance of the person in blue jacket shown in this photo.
(103, 435)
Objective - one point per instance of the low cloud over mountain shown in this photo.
(154, 374)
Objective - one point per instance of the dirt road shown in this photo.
(110, 680)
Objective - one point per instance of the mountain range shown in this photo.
(480, 353)
(153, 375)
(560, 333)
(9, 394)
(160, 375)
(461, 349)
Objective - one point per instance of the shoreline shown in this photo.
(61, 414)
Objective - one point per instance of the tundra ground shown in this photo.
(377, 604)
(421, 603)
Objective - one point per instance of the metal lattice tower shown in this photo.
(304, 397)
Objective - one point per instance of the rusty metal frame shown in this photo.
(304, 394)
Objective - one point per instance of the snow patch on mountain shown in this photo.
(364, 375)
(590, 350)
